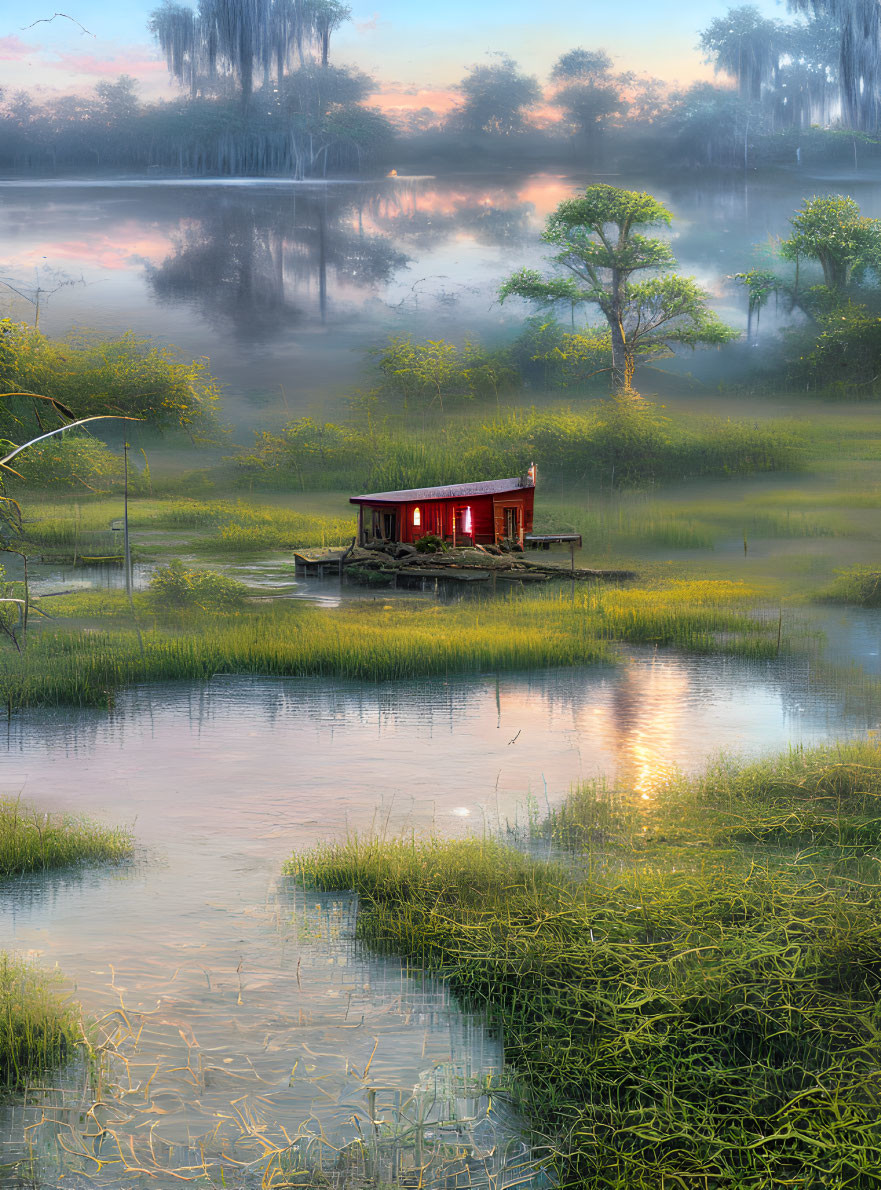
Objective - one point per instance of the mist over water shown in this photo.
(284, 285)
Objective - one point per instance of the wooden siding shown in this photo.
(448, 518)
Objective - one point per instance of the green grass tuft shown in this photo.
(38, 1029)
(31, 841)
(699, 1008)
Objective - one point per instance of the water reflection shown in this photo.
(261, 265)
(643, 725)
(277, 263)
(241, 1016)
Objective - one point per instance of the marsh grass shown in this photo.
(858, 585)
(702, 1010)
(629, 524)
(33, 841)
(607, 442)
(366, 640)
(38, 1029)
(218, 526)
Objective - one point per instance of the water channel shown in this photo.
(245, 1017)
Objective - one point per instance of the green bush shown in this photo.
(861, 585)
(76, 463)
(175, 585)
(93, 375)
(846, 355)
(430, 544)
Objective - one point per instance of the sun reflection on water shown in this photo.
(641, 724)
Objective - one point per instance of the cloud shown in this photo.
(132, 60)
(12, 48)
(408, 99)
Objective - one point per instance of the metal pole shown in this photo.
(126, 547)
(128, 552)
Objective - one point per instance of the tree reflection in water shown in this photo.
(261, 265)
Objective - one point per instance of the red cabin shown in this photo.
(461, 513)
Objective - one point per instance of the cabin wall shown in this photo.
(447, 518)
(522, 503)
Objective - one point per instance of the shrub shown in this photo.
(176, 586)
(93, 375)
(77, 463)
(861, 585)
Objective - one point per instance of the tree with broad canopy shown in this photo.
(601, 249)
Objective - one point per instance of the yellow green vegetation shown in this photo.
(613, 443)
(218, 526)
(691, 994)
(860, 585)
(367, 640)
(92, 375)
(176, 585)
(31, 840)
(38, 1028)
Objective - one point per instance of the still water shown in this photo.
(285, 285)
(244, 1018)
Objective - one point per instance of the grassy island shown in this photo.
(31, 841)
(90, 648)
(38, 1028)
(689, 991)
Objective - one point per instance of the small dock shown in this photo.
(404, 567)
(319, 563)
(544, 541)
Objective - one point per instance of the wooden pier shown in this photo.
(323, 564)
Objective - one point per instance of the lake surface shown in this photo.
(245, 1018)
(285, 285)
(243, 1012)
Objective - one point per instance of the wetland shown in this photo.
(263, 993)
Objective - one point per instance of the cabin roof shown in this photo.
(453, 491)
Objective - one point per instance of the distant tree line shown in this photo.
(315, 123)
(260, 94)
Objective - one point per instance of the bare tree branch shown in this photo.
(48, 20)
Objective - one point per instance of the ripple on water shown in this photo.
(242, 1016)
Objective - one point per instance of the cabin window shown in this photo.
(417, 517)
(466, 521)
(512, 528)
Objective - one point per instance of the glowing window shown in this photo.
(466, 521)
(417, 517)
